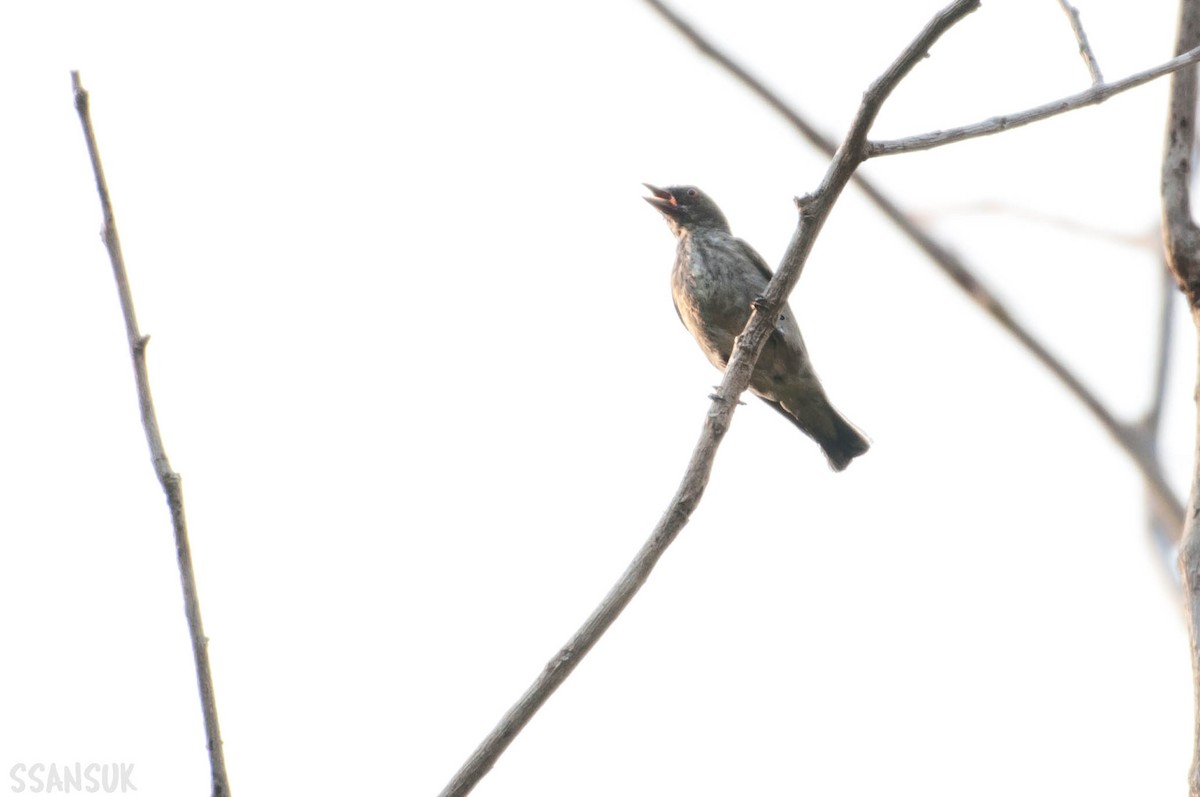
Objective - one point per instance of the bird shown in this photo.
(716, 281)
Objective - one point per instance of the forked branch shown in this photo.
(720, 414)
(1085, 48)
(997, 124)
(1165, 504)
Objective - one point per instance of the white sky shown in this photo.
(414, 355)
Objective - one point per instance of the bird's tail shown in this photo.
(844, 445)
(837, 437)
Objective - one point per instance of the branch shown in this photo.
(1093, 96)
(701, 43)
(1165, 530)
(1166, 504)
(1148, 241)
(1181, 237)
(1151, 421)
(1085, 49)
(169, 479)
(1180, 240)
(737, 378)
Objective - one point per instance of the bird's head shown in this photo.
(686, 207)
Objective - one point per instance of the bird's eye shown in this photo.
(693, 192)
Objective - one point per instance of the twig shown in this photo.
(169, 479)
(1085, 49)
(1166, 503)
(1180, 239)
(1093, 96)
(720, 414)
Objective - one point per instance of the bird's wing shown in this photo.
(775, 405)
(755, 258)
(786, 331)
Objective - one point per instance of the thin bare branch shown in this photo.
(169, 479)
(1164, 499)
(1085, 49)
(813, 213)
(821, 141)
(997, 124)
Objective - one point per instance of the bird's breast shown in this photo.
(713, 289)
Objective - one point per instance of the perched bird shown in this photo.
(715, 282)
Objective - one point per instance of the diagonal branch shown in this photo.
(698, 40)
(1167, 505)
(997, 124)
(1085, 49)
(813, 213)
(168, 478)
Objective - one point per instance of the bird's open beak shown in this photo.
(662, 200)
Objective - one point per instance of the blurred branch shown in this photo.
(997, 124)
(168, 478)
(1163, 532)
(814, 209)
(1164, 528)
(1148, 241)
(1166, 504)
(1085, 49)
(1151, 420)
(1181, 240)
